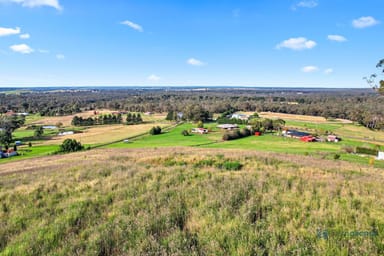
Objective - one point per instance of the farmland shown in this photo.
(189, 201)
(185, 193)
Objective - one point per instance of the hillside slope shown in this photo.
(189, 201)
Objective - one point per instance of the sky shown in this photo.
(282, 43)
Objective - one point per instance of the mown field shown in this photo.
(265, 143)
(189, 201)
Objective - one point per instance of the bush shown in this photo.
(349, 149)
(70, 145)
(230, 165)
(155, 130)
(366, 151)
(237, 134)
(185, 133)
(336, 156)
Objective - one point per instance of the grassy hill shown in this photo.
(189, 201)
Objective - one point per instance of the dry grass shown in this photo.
(179, 201)
(100, 156)
(103, 134)
(303, 118)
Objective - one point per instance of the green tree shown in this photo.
(155, 130)
(170, 116)
(200, 124)
(371, 80)
(39, 131)
(70, 145)
(8, 125)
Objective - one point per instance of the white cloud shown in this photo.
(9, 31)
(308, 4)
(60, 56)
(25, 36)
(195, 62)
(328, 71)
(299, 43)
(153, 78)
(21, 48)
(309, 69)
(305, 4)
(133, 25)
(35, 3)
(43, 51)
(337, 38)
(364, 22)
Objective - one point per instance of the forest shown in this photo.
(363, 106)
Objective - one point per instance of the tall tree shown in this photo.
(7, 126)
(371, 80)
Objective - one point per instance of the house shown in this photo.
(66, 133)
(199, 130)
(148, 113)
(333, 138)
(380, 156)
(228, 126)
(49, 127)
(308, 138)
(240, 116)
(8, 153)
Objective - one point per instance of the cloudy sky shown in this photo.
(309, 43)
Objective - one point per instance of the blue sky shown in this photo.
(304, 43)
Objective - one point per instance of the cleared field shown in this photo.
(190, 201)
(103, 134)
(265, 143)
(312, 119)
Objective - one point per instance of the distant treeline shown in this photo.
(362, 106)
(131, 118)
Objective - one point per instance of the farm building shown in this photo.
(228, 126)
(199, 130)
(309, 138)
(7, 153)
(49, 127)
(66, 133)
(240, 116)
(333, 138)
(303, 136)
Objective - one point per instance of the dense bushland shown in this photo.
(362, 106)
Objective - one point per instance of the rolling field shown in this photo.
(189, 201)
(267, 143)
(102, 134)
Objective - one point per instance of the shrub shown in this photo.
(237, 134)
(348, 149)
(70, 145)
(185, 133)
(336, 156)
(155, 130)
(230, 165)
(366, 151)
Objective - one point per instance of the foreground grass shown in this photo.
(189, 201)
